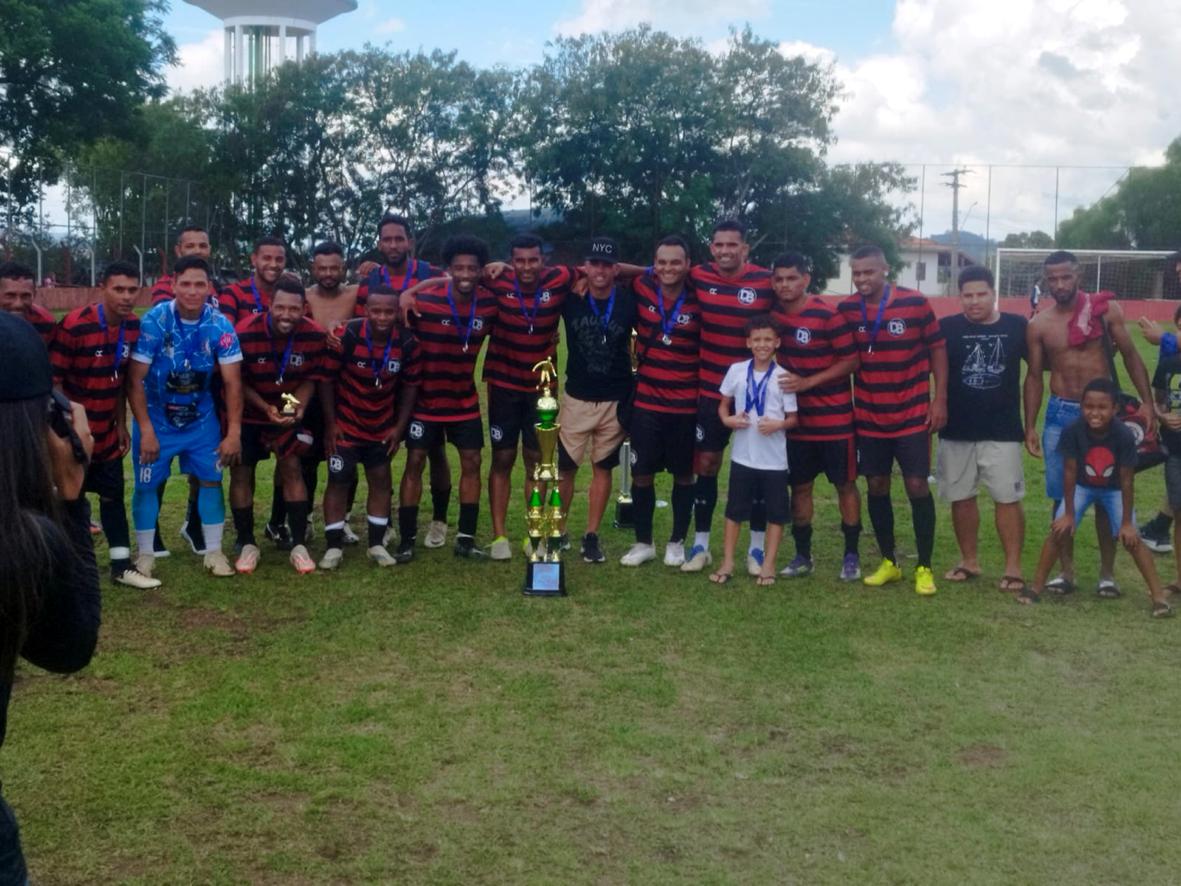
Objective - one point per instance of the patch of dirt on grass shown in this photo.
(982, 756)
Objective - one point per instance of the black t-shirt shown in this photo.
(598, 353)
(1098, 459)
(1167, 378)
(984, 378)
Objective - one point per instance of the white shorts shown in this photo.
(963, 465)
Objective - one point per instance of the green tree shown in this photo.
(1028, 240)
(72, 71)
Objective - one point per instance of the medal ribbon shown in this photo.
(102, 322)
(258, 308)
(530, 316)
(286, 351)
(604, 318)
(756, 392)
(385, 357)
(464, 333)
(877, 321)
(666, 325)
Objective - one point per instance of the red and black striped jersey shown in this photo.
(726, 304)
(242, 299)
(667, 377)
(263, 354)
(891, 390)
(526, 327)
(44, 322)
(448, 389)
(90, 353)
(369, 381)
(810, 341)
(416, 272)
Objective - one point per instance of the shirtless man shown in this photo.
(1071, 368)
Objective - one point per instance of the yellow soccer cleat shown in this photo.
(885, 573)
(924, 581)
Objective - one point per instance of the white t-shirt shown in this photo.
(765, 452)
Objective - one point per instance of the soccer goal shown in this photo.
(1127, 273)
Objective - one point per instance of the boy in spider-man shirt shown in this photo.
(1100, 462)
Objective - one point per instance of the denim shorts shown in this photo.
(1111, 500)
(1060, 414)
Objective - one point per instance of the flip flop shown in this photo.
(1061, 586)
(1161, 609)
(1027, 596)
(1172, 590)
(765, 581)
(1108, 590)
(1012, 584)
(961, 573)
(720, 578)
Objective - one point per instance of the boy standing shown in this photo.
(758, 469)
(1099, 457)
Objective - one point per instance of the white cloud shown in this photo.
(390, 26)
(199, 64)
(1058, 82)
(678, 16)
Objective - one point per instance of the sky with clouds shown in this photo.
(1011, 84)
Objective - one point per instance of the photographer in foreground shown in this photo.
(49, 586)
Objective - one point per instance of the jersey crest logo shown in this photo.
(684, 319)
(803, 336)
(227, 339)
(496, 433)
(477, 324)
(260, 359)
(417, 429)
(297, 359)
(545, 296)
(335, 464)
(393, 366)
(362, 364)
(98, 352)
(896, 327)
(651, 309)
(747, 296)
(126, 351)
(700, 434)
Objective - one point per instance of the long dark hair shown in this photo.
(26, 500)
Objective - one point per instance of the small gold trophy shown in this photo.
(545, 575)
(290, 404)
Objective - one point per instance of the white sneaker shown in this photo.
(332, 558)
(698, 559)
(436, 534)
(381, 556)
(133, 578)
(218, 565)
(638, 554)
(674, 554)
(247, 561)
(501, 549)
(301, 560)
(350, 537)
(144, 564)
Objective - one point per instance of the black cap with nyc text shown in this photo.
(603, 249)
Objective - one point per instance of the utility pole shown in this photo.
(955, 184)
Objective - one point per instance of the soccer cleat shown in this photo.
(436, 534)
(195, 538)
(405, 551)
(1156, 537)
(592, 551)
(133, 578)
(674, 553)
(754, 561)
(379, 555)
(501, 549)
(247, 561)
(851, 568)
(924, 581)
(351, 538)
(279, 535)
(218, 565)
(884, 574)
(698, 559)
(638, 554)
(332, 558)
(302, 560)
(144, 564)
(798, 567)
(465, 546)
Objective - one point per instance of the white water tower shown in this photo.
(259, 33)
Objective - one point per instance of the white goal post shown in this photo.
(1128, 273)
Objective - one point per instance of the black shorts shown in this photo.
(511, 417)
(342, 467)
(425, 434)
(105, 479)
(836, 459)
(661, 441)
(876, 455)
(712, 435)
(748, 485)
(259, 441)
(313, 421)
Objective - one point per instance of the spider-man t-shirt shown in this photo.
(1098, 459)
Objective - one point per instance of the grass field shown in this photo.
(429, 724)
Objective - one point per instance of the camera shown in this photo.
(61, 422)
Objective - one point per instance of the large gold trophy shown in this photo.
(545, 575)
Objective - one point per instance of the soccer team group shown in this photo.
(682, 360)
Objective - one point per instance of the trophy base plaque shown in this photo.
(624, 513)
(545, 579)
